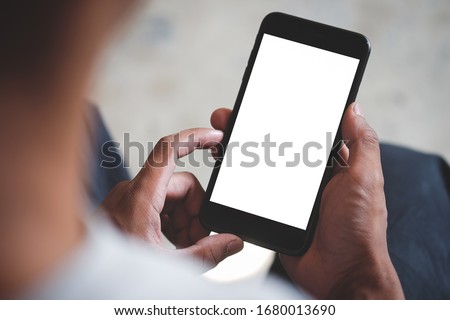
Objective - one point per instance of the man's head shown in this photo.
(36, 34)
(47, 51)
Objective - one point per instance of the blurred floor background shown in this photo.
(178, 60)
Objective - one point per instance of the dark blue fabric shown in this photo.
(417, 190)
(104, 172)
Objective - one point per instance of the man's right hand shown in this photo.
(348, 257)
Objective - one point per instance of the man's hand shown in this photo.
(348, 257)
(158, 201)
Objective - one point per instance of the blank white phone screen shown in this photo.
(280, 143)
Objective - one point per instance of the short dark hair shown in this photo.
(30, 31)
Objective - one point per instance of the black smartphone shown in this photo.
(284, 132)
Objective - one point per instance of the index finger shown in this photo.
(155, 175)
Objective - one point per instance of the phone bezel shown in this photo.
(255, 229)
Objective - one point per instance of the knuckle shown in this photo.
(375, 180)
(122, 186)
(189, 178)
(162, 150)
(209, 256)
(370, 138)
(165, 142)
(188, 175)
(370, 180)
(378, 178)
(214, 256)
(166, 139)
(192, 179)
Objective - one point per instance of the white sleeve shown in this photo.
(109, 265)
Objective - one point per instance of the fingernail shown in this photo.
(234, 246)
(217, 132)
(357, 110)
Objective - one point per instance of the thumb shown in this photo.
(213, 249)
(363, 145)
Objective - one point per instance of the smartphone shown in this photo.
(284, 132)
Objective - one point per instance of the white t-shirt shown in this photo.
(110, 265)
